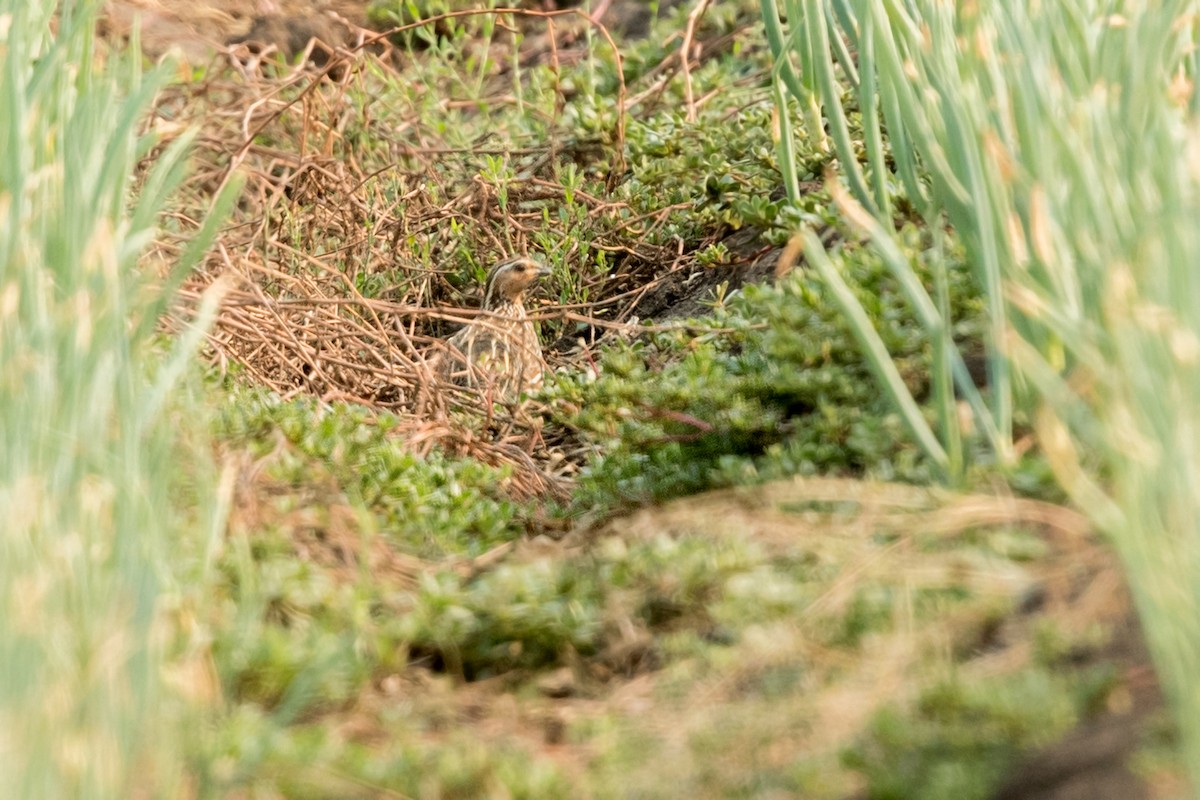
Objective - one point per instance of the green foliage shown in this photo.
(721, 170)
(536, 614)
(449, 33)
(772, 384)
(674, 579)
(518, 616)
(301, 650)
(403, 12)
(312, 761)
(430, 506)
(961, 738)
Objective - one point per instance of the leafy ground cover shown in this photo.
(810, 637)
(422, 594)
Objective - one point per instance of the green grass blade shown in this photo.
(878, 359)
(831, 94)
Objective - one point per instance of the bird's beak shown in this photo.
(543, 271)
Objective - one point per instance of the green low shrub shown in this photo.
(771, 384)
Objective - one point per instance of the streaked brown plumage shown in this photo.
(499, 350)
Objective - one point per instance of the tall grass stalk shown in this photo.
(87, 459)
(1061, 140)
(818, 72)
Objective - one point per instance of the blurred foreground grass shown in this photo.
(90, 489)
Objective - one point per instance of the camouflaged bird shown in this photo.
(499, 350)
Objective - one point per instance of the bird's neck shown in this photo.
(514, 306)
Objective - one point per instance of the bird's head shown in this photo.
(508, 280)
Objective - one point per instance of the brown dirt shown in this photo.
(198, 29)
(1093, 762)
(683, 293)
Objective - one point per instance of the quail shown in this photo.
(499, 350)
